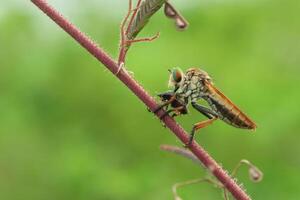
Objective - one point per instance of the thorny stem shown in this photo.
(149, 101)
(188, 154)
(255, 174)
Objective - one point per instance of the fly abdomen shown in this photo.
(227, 111)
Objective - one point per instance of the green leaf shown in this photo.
(145, 12)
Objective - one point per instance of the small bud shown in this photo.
(255, 174)
(169, 11)
(172, 13)
(180, 23)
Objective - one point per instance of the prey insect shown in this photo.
(177, 107)
(196, 84)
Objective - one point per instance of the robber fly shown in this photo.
(194, 85)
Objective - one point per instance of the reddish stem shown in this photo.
(150, 39)
(123, 47)
(133, 15)
(122, 55)
(149, 101)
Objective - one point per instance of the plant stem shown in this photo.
(133, 16)
(149, 101)
(123, 47)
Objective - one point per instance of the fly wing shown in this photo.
(227, 110)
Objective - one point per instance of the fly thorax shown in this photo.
(190, 89)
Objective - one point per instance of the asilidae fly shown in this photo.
(196, 84)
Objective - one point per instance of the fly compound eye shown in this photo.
(177, 75)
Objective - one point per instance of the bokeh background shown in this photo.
(70, 130)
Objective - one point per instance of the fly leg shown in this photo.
(166, 103)
(205, 111)
(177, 111)
(198, 126)
(210, 114)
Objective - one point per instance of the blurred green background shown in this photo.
(70, 130)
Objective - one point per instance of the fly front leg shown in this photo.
(177, 111)
(166, 103)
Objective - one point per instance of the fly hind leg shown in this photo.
(210, 114)
(198, 126)
(204, 110)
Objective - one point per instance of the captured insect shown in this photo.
(178, 108)
(196, 84)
